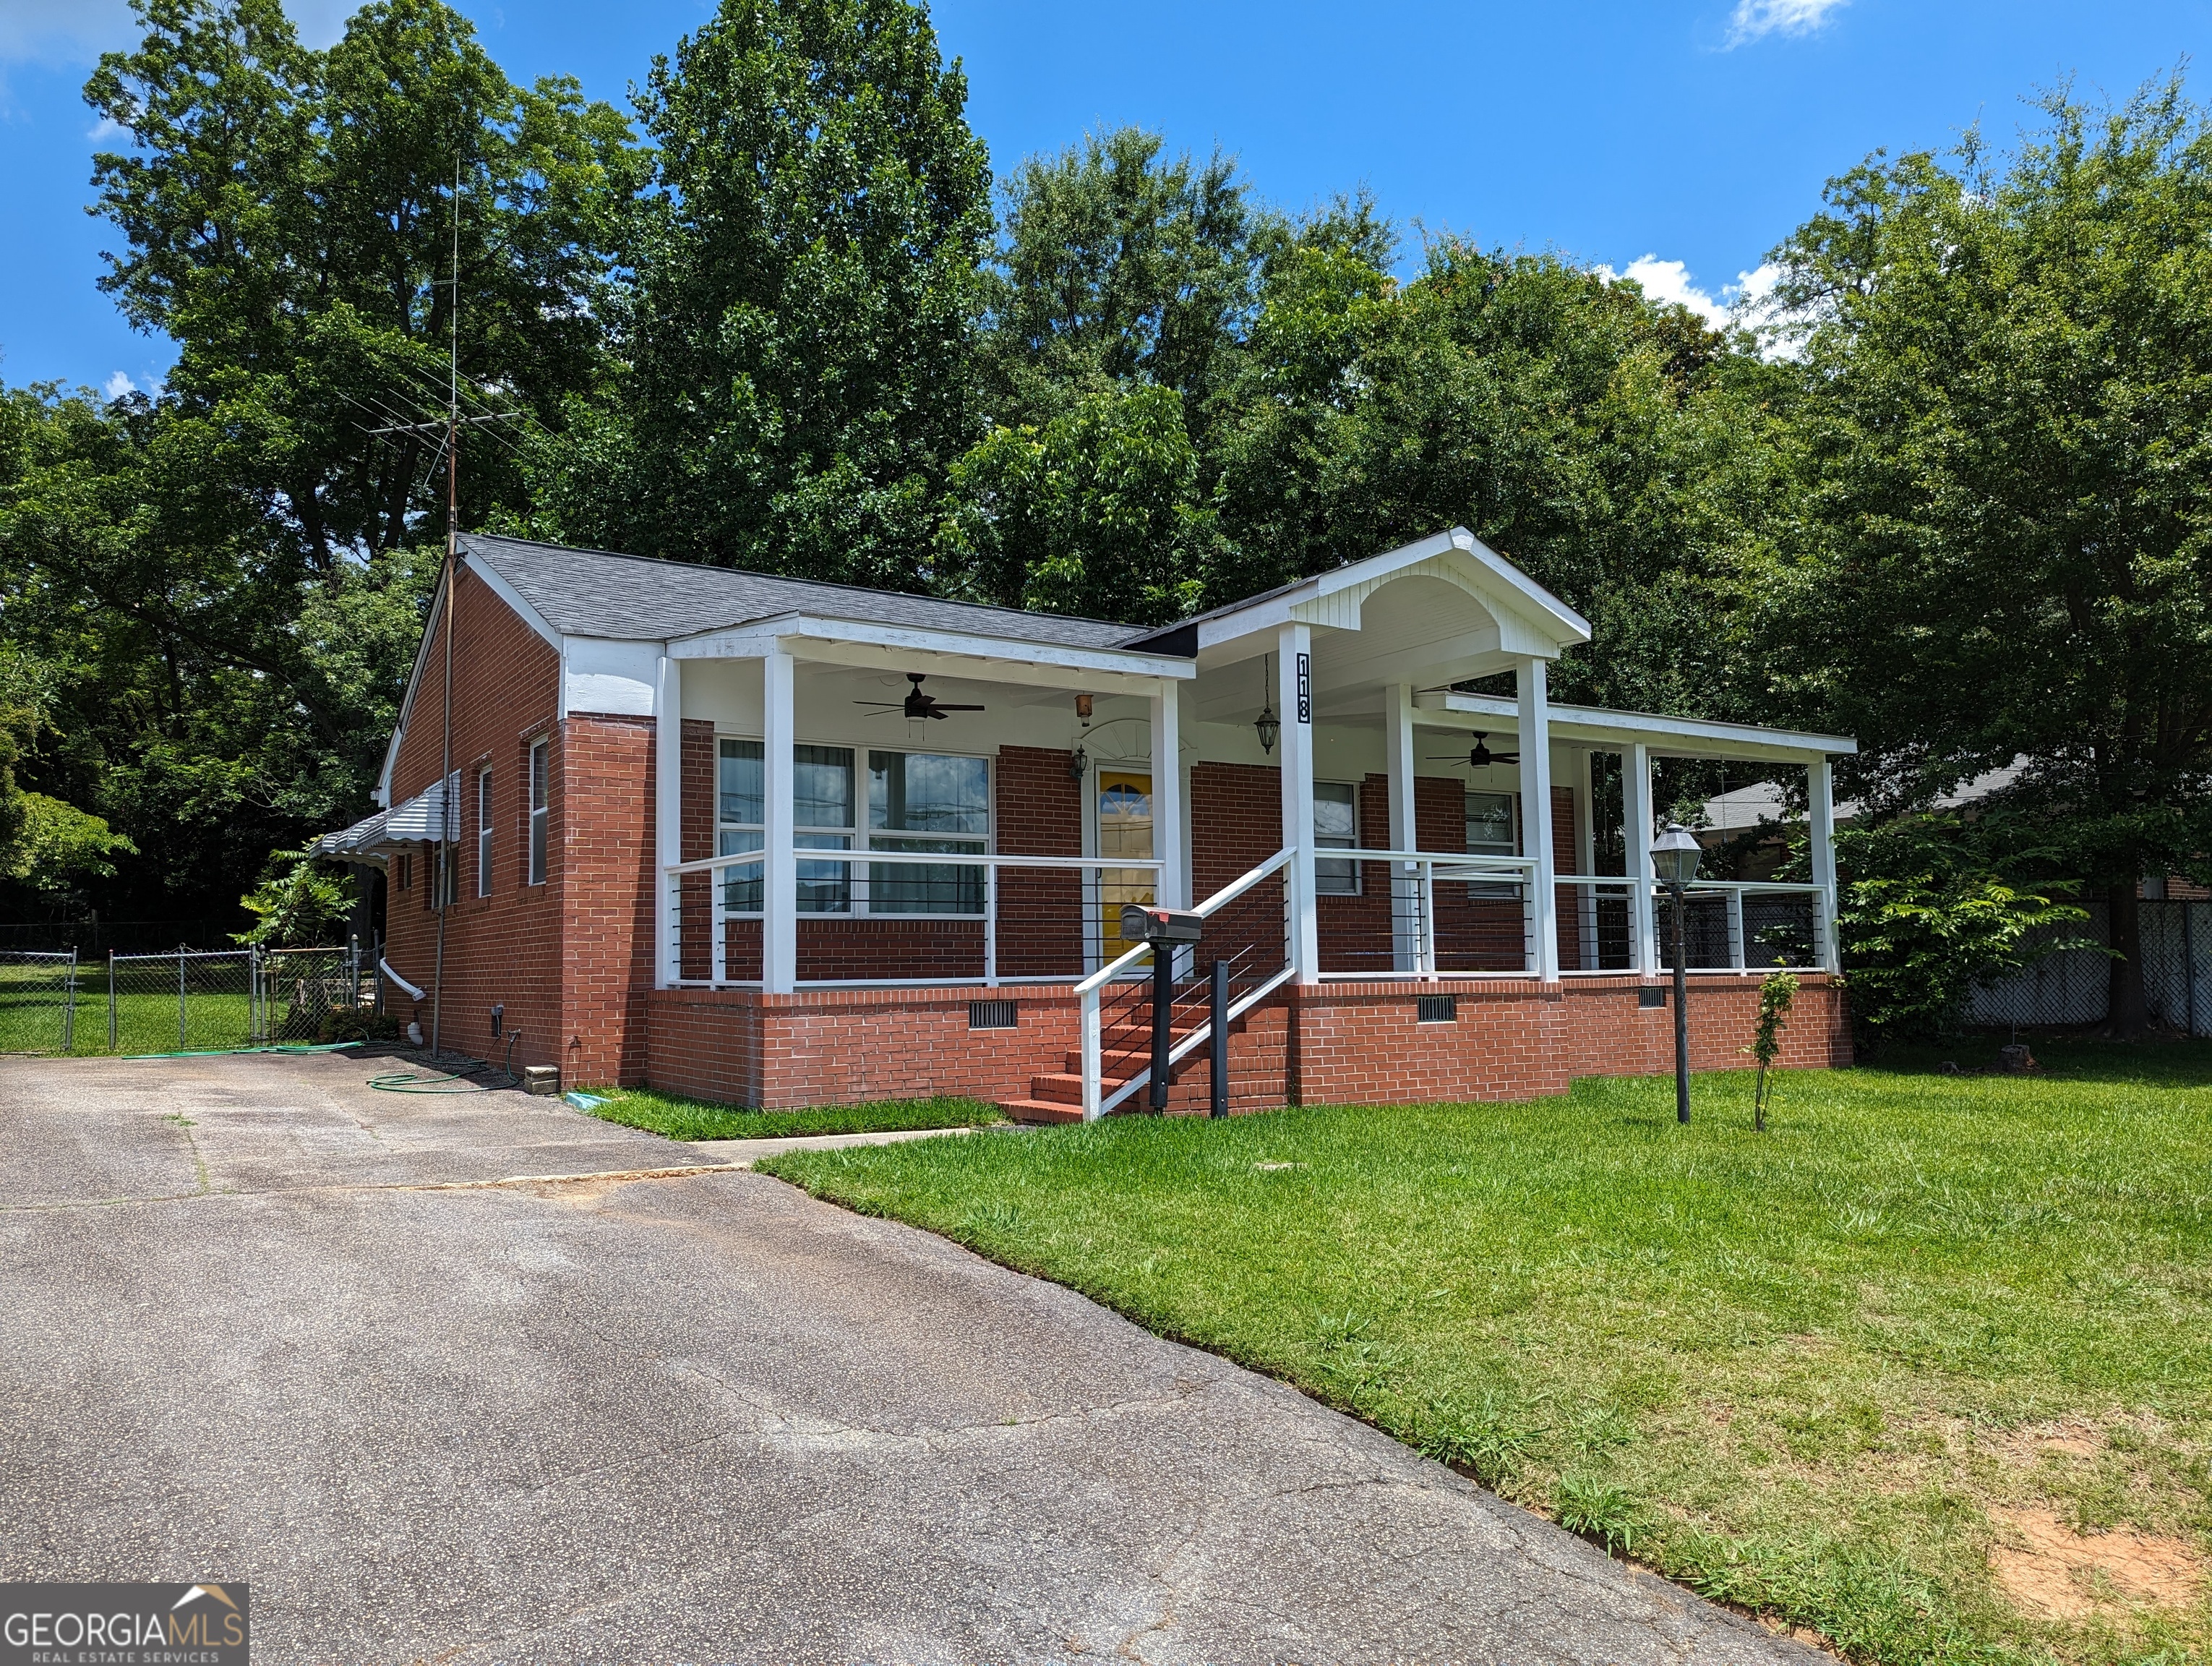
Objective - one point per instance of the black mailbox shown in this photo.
(1142, 925)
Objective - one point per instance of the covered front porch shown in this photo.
(1299, 769)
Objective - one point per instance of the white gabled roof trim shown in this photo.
(1523, 608)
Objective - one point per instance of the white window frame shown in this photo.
(1503, 888)
(483, 831)
(541, 806)
(860, 837)
(1332, 876)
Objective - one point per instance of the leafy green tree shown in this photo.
(297, 905)
(2005, 549)
(289, 218)
(1118, 266)
(1610, 445)
(1096, 513)
(1931, 906)
(225, 579)
(799, 317)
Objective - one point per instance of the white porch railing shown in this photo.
(1071, 923)
(1730, 925)
(1259, 972)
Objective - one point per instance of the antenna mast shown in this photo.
(448, 796)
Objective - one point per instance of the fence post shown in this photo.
(253, 995)
(111, 1000)
(2188, 965)
(68, 1007)
(180, 997)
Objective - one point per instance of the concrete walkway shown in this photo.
(266, 1325)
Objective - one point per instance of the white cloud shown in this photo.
(1670, 281)
(1755, 20)
(120, 384)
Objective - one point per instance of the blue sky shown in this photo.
(1693, 135)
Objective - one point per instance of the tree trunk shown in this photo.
(2127, 1012)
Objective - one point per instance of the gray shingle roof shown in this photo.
(596, 592)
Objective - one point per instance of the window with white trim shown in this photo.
(1336, 827)
(917, 801)
(483, 832)
(541, 797)
(927, 802)
(1493, 829)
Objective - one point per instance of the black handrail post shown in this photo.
(1162, 1020)
(1219, 1078)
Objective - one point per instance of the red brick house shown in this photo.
(778, 842)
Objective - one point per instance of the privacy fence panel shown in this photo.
(2073, 986)
(38, 999)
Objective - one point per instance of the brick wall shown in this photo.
(1514, 1040)
(849, 1046)
(505, 948)
(606, 835)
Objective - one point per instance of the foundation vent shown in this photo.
(991, 1015)
(1437, 1009)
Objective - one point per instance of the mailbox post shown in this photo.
(1162, 928)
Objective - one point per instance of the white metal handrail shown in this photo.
(1644, 927)
(719, 868)
(1095, 1103)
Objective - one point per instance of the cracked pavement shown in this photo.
(258, 1331)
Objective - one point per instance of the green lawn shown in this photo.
(697, 1119)
(1928, 1368)
(31, 1020)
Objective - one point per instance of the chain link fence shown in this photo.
(39, 1001)
(2069, 986)
(184, 1001)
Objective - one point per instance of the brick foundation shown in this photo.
(1333, 1044)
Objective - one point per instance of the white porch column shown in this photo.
(1821, 796)
(779, 891)
(1535, 740)
(1170, 843)
(1405, 827)
(1586, 858)
(1636, 832)
(667, 818)
(1294, 700)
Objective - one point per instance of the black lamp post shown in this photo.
(1675, 855)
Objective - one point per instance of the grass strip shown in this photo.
(679, 1118)
(1928, 1368)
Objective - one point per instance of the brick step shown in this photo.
(1060, 1088)
(1038, 1110)
(1120, 1063)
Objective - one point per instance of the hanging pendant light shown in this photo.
(1269, 725)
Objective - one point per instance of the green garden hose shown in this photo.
(457, 1081)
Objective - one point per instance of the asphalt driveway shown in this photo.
(264, 1325)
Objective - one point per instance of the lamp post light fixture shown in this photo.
(1675, 855)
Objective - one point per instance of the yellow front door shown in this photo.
(1125, 830)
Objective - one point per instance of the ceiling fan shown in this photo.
(1479, 758)
(916, 703)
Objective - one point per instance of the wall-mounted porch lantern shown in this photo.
(1675, 855)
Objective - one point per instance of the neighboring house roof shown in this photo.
(597, 592)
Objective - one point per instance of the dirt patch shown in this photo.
(2054, 1573)
(2069, 1438)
